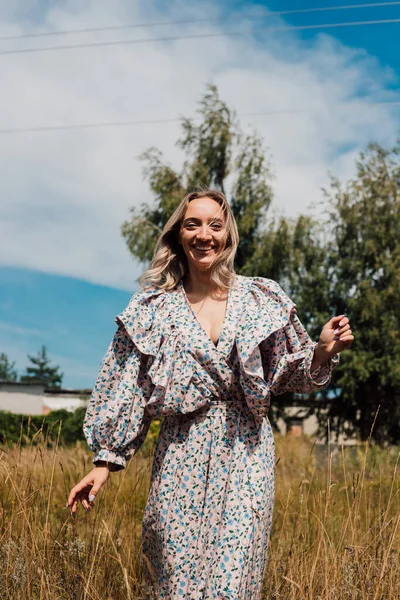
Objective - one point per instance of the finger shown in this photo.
(345, 334)
(347, 339)
(74, 507)
(93, 492)
(70, 500)
(75, 490)
(342, 326)
(344, 329)
(335, 320)
(85, 504)
(72, 495)
(340, 331)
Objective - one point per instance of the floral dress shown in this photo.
(208, 514)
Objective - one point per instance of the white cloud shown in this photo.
(65, 194)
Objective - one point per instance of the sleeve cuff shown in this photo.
(115, 462)
(322, 374)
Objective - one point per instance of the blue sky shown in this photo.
(64, 269)
(72, 318)
(381, 41)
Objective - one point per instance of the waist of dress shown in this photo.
(224, 403)
(227, 400)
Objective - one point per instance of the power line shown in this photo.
(47, 128)
(88, 126)
(201, 36)
(194, 21)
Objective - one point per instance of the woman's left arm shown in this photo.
(297, 364)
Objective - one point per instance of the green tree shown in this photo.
(363, 282)
(7, 368)
(42, 372)
(215, 149)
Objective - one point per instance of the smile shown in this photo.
(204, 249)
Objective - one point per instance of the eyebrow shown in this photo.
(213, 220)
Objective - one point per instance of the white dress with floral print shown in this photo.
(209, 510)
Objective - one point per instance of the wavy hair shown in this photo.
(169, 263)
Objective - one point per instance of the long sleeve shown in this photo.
(289, 354)
(116, 422)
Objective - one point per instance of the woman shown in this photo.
(204, 348)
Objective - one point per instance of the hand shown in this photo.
(336, 336)
(85, 491)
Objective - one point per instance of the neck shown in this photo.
(199, 282)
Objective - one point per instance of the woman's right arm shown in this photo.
(115, 424)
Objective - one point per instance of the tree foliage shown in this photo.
(7, 368)
(215, 149)
(363, 279)
(41, 371)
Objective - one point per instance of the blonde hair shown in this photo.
(169, 264)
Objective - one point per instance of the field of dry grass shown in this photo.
(336, 533)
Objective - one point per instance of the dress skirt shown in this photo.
(208, 515)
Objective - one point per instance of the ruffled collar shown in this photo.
(256, 308)
(234, 309)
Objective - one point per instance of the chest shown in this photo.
(211, 315)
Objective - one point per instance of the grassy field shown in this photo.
(336, 532)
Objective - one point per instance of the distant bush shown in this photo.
(28, 429)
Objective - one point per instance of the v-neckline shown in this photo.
(216, 346)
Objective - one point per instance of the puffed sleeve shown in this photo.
(290, 352)
(116, 422)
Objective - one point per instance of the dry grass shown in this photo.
(336, 530)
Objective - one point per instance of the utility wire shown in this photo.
(194, 21)
(201, 36)
(99, 125)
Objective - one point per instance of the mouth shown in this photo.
(203, 249)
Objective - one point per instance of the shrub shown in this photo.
(28, 429)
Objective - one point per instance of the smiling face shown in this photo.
(203, 232)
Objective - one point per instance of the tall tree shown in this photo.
(363, 274)
(7, 368)
(42, 372)
(216, 149)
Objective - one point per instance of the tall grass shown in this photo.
(336, 526)
(336, 532)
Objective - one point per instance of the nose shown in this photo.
(204, 233)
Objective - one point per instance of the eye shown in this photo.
(216, 226)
